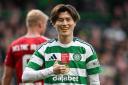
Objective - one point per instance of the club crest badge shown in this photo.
(77, 57)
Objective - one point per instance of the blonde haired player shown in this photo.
(22, 48)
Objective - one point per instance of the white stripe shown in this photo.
(36, 60)
(88, 52)
(67, 45)
(77, 72)
(26, 83)
(48, 56)
(58, 55)
(38, 83)
(93, 64)
(64, 84)
(41, 51)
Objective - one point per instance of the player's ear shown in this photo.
(40, 25)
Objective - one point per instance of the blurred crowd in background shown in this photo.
(104, 24)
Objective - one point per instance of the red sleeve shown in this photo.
(9, 60)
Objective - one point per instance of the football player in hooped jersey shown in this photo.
(66, 60)
(22, 48)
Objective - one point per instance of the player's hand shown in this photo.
(59, 69)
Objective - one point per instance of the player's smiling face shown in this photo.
(65, 24)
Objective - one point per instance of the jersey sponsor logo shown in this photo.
(64, 78)
(77, 57)
(53, 57)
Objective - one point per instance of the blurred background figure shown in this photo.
(115, 32)
(104, 24)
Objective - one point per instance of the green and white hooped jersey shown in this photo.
(82, 61)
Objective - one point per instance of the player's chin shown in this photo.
(65, 35)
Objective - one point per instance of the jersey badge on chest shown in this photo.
(77, 57)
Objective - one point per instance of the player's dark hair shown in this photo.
(62, 8)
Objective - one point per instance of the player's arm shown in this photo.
(33, 72)
(30, 75)
(94, 79)
(8, 67)
(7, 75)
(93, 67)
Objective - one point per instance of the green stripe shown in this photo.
(72, 64)
(33, 66)
(92, 57)
(93, 70)
(66, 79)
(72, 49)
(39, 55)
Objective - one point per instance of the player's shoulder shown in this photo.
(48, 43)
(82, 42)
(45, 38)
(85, 44)
(78, 40)
(18, 40)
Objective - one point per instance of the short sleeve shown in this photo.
(36, 61)
(9, 59)
(92, 63)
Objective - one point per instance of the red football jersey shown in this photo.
(19, 53)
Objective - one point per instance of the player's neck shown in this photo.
(32, 34)
(65, 40)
